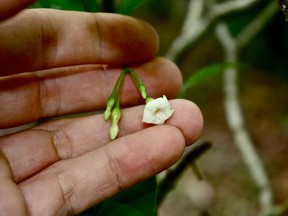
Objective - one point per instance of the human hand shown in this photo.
(65, 166)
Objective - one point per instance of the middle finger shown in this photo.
(31, 96)
(30, 151)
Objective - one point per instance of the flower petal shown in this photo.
(157, 111)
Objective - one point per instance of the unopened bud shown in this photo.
(109, 106)
(142, 89)
(110, 102)
(114, 130)
(115, 115)
(107, 114)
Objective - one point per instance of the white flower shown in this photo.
(157, 111)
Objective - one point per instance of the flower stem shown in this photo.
(118, 88)
(137, 81)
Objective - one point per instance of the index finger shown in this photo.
(45, 38)
(8, 8)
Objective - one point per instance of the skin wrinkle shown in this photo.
(50, 85)
(124, 125)
(48, 36)
(58, 98)
(114, 165)
(105, 79)
(66, 193)
(99, 41)
(57, 142)
(43, 97)
(47, 33)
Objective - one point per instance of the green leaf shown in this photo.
(60, 4)
(91, 5)
(79, 5)
(202, 74)
(127, 6)
(139, 200)
(36, 5)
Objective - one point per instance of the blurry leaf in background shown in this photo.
(122, 6)
(79, 5)
(91, 5)
(127, 6)
(203, 74)
(139, 200)
(60, 4)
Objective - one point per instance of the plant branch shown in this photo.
(256, 25)
(169, 181)
(232, 105)
(198, 22)
(235, 121)
(228, 7)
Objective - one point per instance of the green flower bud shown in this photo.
(142, 89)
(114, 130)
(110, 102)
(115, 115)
(107, 114)
(109, 106)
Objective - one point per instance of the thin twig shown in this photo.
(228, 7)
(256, 25)
(198, 22)
(169, 181)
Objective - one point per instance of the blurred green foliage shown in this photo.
(122, 6)
(139, 200)
(201, 75)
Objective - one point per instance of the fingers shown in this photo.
(11, 7)
(11, 197)
(100, 174)
(69, 138)
(31, 96)
(51, 38)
